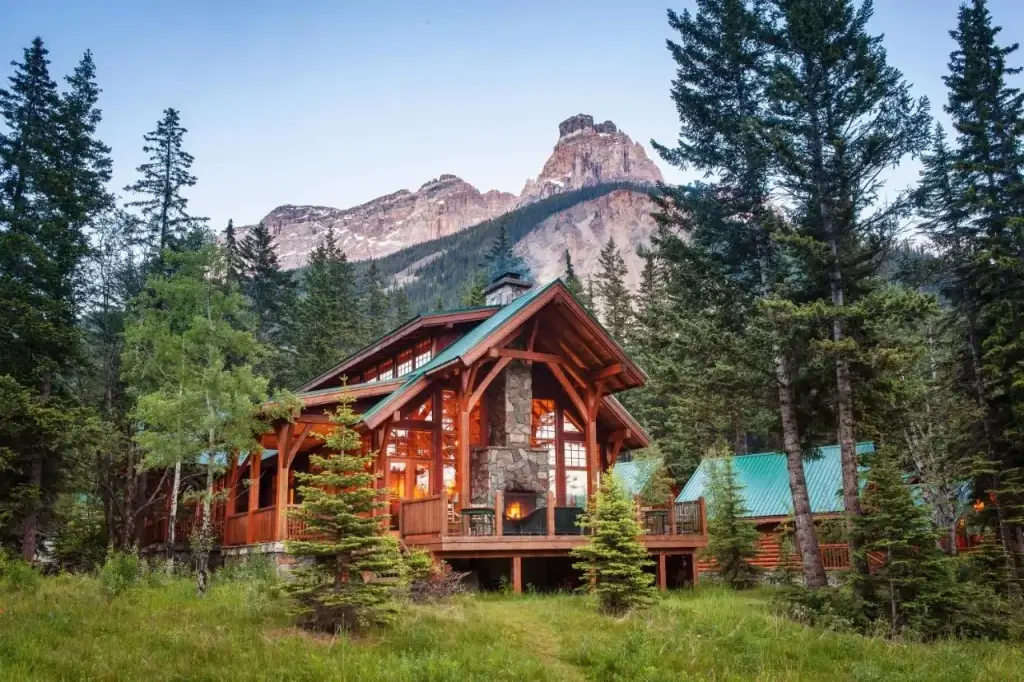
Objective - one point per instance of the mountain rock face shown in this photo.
(586, 154)
(584, 229)
(386, 224)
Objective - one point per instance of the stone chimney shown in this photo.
(506, 287)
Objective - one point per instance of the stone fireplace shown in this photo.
(509, 464)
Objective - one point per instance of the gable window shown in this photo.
(370, 375)
(404, 362)
(424, 353)
(387, 371)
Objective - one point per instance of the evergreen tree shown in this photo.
(375, 304)
(726, 274)
(163, 178)
(570, 279)
(501, 258)
(233, 266)
(346, 537)
(841, 116)
(401, 310)
(614, 558)
(271, 295)
(732, 537)
(473, 295)
(613, 295)
(327, 318)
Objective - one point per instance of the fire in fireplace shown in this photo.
(519, 504)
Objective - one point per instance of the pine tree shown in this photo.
(473, 295)
(163, 178)
(842, 115)
(233, 267)
(271, 295)
(375, 304)
(615, 557)
(570, 279)
(328, 321)
(401, 311)
(726, 269)
(613, 295)
(346, 587)
(732, 537)
(501, 258)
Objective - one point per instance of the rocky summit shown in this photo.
(586, 154)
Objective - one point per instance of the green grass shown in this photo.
(68, 631)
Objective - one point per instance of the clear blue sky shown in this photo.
(338, 102)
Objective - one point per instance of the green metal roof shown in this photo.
(634, 475)
(462, 345)
(765, 481)
(335, 389)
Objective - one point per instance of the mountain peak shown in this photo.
(583, 123)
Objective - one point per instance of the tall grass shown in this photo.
(69, 630)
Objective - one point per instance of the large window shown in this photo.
(424, 352)
(450, 438)
(561, 434)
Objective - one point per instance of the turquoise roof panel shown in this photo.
(634, 475)
(765, 481)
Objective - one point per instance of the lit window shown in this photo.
(423, 353)
(575, 488)
(543, 421)
(569, 424)
(387, 371)
(422, 413)
(370, 375)
(422, 481)
(404, 363)
(575, 454)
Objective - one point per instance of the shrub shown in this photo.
(258, 578)
(830, 608)
(80, 542)
(120, 572)
(429, 580)
(16, 575)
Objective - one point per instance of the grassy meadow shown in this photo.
(69, 631)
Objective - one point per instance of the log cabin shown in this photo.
(490, 428)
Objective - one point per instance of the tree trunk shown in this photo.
(171, 521)
(204, 544)
(30, 527)
(806, 534)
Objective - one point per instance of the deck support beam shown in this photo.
(255, 457)
(285, 453)
(517, 574)
(662, 576)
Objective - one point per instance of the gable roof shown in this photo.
(765, 481)
(422, 321)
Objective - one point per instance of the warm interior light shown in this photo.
(978, 505)
(514, 510)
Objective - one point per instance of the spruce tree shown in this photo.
(356, 566)
(328, 320)
(401, 310)
(163, 178)
(233, 267)
(727, 273)
(614, 299)
(501, 258)
(473, 295)
(614, 558)
(271, 295)
(375, 304)
(732, 537)
(570, 279)
(841, 115)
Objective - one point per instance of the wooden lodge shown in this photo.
(490, 427)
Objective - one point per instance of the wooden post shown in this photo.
(462, 471)
(400, 511)
(229, 508)
(517, 574)
(702, 522)
(693, 568)
(672, 529)
(499, 512)
(284, 443)
(662, 577)
(551, 513)
(444, 512)
(254, 494)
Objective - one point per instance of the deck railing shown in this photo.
(264, 521)
(673, 518)
(236, 529)
(424, 516)
(835, 556)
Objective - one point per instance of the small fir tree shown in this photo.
(473, 295)
(356, 569)
(732, 537)
(501, 258)
(570, 278)
(375, 304)
(232, 256)
(615, 557)
(615, 300)
(401, 309)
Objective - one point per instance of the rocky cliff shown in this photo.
(585, 154)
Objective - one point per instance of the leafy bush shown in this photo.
(120, 572)
(80, 543)
(830, 608)
(429, 580)
(17, 576)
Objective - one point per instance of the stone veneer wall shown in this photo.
(509, 402)
(506, 468)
